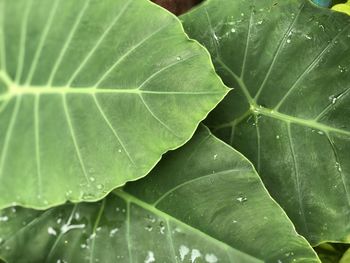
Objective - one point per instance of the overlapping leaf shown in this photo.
(89, 100)
(202, 203)
(290, 64)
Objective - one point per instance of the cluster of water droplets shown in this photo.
(193, 254)
(153, 223)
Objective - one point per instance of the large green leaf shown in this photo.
(204, 202)
(289, 113)
(89, 100)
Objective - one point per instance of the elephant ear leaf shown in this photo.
(202, 203)
(88, 100)
(289, 62)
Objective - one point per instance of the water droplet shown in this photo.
(51, 231)
(100, 186)
(342, 69)
(242, 14)
(119, 150)
(277, 137)
(338, 166)
(113, 232)
(162, 227)
(233, 30)
(150, 218)
(289, 40)
(83, 246)
(260, 22)
(4, 218)
(333, 99)
(66, 227)
(308, 37)
(215, 156)
(150, 257)
(211, 258)
(320, 132)
(69, 193)
(92, 179)
(183, 250)
(195, 254)
(149, 228)
(76, 216)
(234, 221)
(242, 199)
(59, 221)
(178, 58)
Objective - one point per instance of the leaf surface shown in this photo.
(202, 203)
(88, 100)
(289, 62)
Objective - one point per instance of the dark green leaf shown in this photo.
(202, 203)
(289, 62)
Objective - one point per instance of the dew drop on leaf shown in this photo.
(242, 199)
(183, 250)
(150, 257)
(337, 165)
(211, 258)
(51, 231)
(113, 232)
(162, 227)
(4, 218)
(149, 228)
(195, 254)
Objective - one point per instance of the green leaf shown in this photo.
(344, 8)
(330, 253)
(203, 199)
(346, 257)
(89, 100)
(289, 113)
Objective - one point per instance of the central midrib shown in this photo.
(15, 89)
(256, 109)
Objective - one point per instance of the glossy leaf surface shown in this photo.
(289, 62)
(88, 101)
(203, 203)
